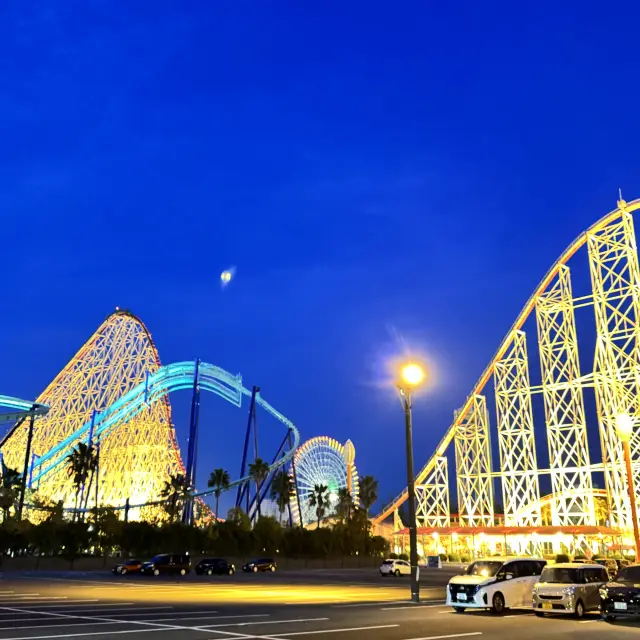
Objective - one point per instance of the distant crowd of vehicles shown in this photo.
(180, 564)
(608, 586)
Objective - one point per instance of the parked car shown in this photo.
(569, 587)
(261, 564)
(621, 596)
(167, 563)
(395, 568)
(610, 565)
(209, 566)
(128, 566)
(495, 583)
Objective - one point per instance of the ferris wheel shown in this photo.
(323, 461)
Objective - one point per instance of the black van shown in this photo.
(167, 563)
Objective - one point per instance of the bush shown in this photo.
(393, 556)
(562, 557)
(403, 556)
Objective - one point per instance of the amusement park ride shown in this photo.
(613, 385)
(114, 394)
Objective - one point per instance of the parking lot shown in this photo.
(350, 604)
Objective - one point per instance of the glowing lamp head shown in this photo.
(225, 276)
(624, 426)
(412, 374)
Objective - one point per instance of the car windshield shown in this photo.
(160, 559)
(561, 575)
(486, 569)
(132, 562)
(211, 560)
(388, 562)
(629, 574)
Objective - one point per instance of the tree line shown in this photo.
(50, 530)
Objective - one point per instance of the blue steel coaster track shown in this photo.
(169, 378)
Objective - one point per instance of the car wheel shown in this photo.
(209, 572)
(397, 573)
(255, 569)
(123, 572)
(156, 572)
(579, 612)
(272, 569)
(539, 614)
(459, 609)
(497, 604)
(607, 618)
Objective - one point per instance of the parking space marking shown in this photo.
(244, 624)
(91, 603)
(416, 606)
(452, 635)
(189, 614)
(86, 635)
(286, 634)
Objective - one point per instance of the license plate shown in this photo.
(547, 605)
(621, 606)
(462, 596)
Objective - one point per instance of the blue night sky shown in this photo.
(381, 175)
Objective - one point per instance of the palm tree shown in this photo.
(281, 490)
(368, 493)
(319, 499)
(344, 504)
(80, 463)
(176, 490)
(9, 490)
(258, 470)
(219, 481)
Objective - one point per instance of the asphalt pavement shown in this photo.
(349, 604)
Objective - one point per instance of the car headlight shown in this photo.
(604, 592)
(569, 591)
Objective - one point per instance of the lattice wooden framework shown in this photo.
(135, 458)
(564, 405)
(432, 497)
(473, 466)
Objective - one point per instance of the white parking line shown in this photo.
(93, 603)
(153, 626)
(453, 635)
(189, 616)
(415, 606)
(28, 602)
(85, 635)
(286, 634)
(260, 622)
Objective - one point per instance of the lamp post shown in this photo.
(412, 376)
(624, 427)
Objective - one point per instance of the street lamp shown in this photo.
(411, 376)
(624, 427)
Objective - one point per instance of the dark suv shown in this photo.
(167, 563)
(209, 566)
(261, 564)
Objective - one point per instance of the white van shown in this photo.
(495, 583)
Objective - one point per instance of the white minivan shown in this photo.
(495, 583)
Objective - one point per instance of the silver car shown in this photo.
(569, 588)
